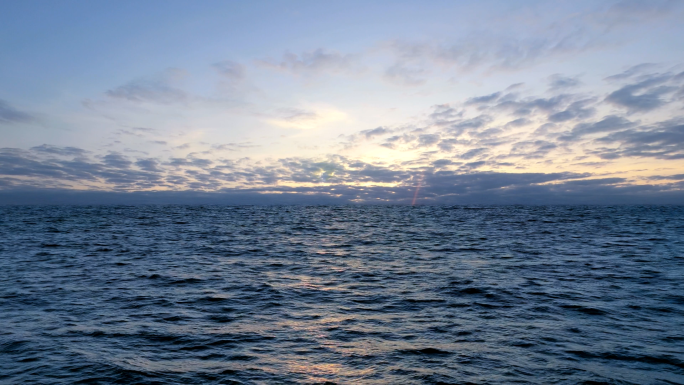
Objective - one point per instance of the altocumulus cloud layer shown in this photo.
(511, 115)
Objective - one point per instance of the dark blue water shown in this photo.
(388, 295)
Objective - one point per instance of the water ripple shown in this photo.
(336, 295)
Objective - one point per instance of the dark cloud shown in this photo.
(484, 99)
(520, 122)
(607, 124)
(190, 161)
(458, 127)
(454, 133)
(447, 145)
(632, 71)
(664, 140)
(454, 194)
(395, 140)
(443, 162)
(528, 106)
(576, 110)
(121, 172)
(535, 149)
(444, 113)
(116, 161)
(472, 153)
(370, 134)
(473, 165)
(427, 140)
(595, 182)
(490, 133)
(115, 170)
(643, 96)
(9, 114)
(62, 151)
(667, 177)
(332, 181)
(149, 164)
(447, 182)
(350, 141)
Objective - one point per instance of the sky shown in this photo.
(321, 102)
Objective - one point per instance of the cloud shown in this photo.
(336, 179)
(444, 113)
(484, 130)
(534, 149)
(232, 70)
(576, 110)
(530, 105)
(149, 164)
(644, 95)
(314, 62)
(477, 188)
(664, 140)
(632, 71)
(507, 48)
(632, 11)
(608, 123)
(426, 140)
(117, 161)
(560, 82)
(158, 89)
(306, 119)
(520, 122)
(458, 127)
(455, 145)
(115, 171)
(484, 99)
(667, 177)
(472, 153)
(233, 146)
(446, 182)
(379, 131)
(443, 162)
(9, 114)
(145, 129)
(489, 52)
(406, 76)
(61, 151)
(146, 91)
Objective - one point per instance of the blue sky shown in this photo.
(364, 102)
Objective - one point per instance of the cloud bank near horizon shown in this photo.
(521, 113)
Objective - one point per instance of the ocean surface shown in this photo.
(345, 295)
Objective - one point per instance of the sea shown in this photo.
(173, 294)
